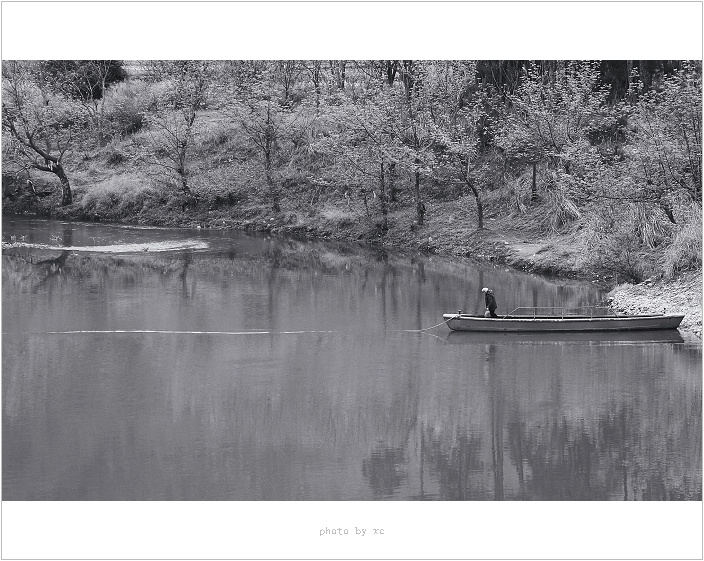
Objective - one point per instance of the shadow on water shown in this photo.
(607, 337)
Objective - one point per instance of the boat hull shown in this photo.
(465, 322)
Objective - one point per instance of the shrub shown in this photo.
(114, 156)
(514, 194)
(216, 136)
(335, 214)
(126, 104)
(85, 76)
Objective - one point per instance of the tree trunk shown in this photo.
(630, 95)
(480, 209)
(420, 207)
(392, 182)
(191, 199)
(317, 92)
(100, 122)
(667, 209)
(184, 183)
(382, 199)
(408, 79)
(338, 70)
(269, 146)
(182, 172)
(276, 204)
(477, 196)
(66, 195)
(391, 68)
(657, 75)
(534, 186)
(644, 72)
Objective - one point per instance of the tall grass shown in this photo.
(618, 240)
(634, 241)
(121, 196)
(558, 209)
(685, 251)
(514, 194)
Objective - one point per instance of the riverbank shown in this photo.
(678, 296)
(448, 232)
(449, 228)
(112, 184)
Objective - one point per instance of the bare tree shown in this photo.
(337, 69)
(268, 121)
(455, 117)
(365, 138)
(42, 126)
(85, 82)
(288, 72)
(172, 126)
(315, 71)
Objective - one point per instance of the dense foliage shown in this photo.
(605, 155)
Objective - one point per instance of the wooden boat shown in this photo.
(562, 320)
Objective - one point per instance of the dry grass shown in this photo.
(119, 196)
(337, 214)
(514, 195)
(685, 251)
(559, 210)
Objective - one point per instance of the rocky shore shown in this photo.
(678, 296)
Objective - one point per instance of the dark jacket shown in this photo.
(490, 300)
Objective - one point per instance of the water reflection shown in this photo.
(573, 440)
(385, 470)
(48, 269)
(307, 385)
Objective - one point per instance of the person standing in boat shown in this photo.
(490, 303)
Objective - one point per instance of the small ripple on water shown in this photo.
(152, 247)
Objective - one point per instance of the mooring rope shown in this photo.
(169, 332)
(175, 332)
(433, 327)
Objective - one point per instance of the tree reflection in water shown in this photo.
(369, 410)
(453, 463)
(630, 450)
(385, 470)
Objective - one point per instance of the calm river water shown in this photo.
(142, 363)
